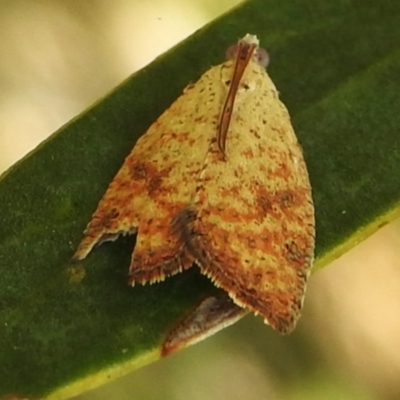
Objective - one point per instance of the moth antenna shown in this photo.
(245, 51)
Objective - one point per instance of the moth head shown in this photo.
(260, 55)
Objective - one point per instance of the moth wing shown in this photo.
(157, 179)
(253, 232)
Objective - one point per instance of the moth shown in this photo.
(219, 180)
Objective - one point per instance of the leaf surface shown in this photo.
(67, 327)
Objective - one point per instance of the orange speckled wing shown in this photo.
(252, 217)
(157, 180)
(218, 179)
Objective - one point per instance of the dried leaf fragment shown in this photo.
(211, 315)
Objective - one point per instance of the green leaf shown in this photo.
(66, 327)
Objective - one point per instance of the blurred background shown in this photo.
(347, 345)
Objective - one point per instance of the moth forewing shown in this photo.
(219, 179)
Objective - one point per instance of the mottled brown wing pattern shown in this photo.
(253, 217)
(219, 180)
(158, 179)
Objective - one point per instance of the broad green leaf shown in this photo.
(66, 327)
